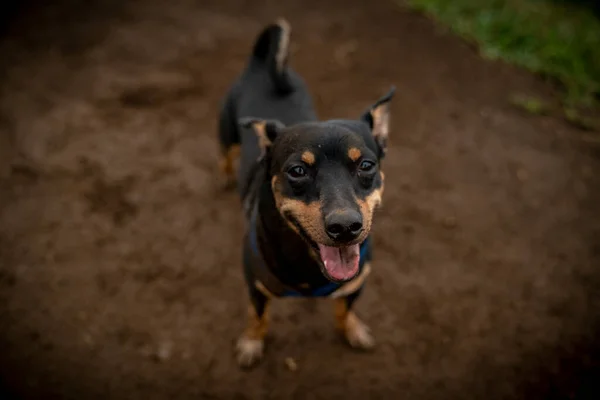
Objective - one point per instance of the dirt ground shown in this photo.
(120, 257)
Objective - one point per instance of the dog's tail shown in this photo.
(271, 51)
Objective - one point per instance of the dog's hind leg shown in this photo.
(356, 332)
(229, 141)
(250, 345)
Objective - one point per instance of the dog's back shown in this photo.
(269, 89)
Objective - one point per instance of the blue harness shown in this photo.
(321, 291)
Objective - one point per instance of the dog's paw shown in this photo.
(249, 351)
(358, 334)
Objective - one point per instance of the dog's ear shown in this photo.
(378, 119)
(266, 130)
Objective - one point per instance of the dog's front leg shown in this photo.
(356, 332)
(250, 346)
(227, 165)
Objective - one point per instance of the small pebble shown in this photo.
(291, 364)
(88, 340)
(164, 351)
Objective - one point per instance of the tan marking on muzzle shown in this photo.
(368, 207)
(308, 216)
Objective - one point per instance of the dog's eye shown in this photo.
(297, 172)
(366, 166)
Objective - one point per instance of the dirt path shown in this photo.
(120, 260)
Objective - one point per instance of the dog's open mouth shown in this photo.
(341, 263)
(338, 263)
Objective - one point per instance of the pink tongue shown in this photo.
(341, 263)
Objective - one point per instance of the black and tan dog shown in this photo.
(308, 188)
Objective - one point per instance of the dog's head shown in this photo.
(327, 181)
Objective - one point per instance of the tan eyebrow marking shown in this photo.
(308, 157)
(354, 153)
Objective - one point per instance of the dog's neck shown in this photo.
(286, 254)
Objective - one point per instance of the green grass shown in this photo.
(530, 104)
(557, 41)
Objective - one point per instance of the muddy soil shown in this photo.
(120, 271)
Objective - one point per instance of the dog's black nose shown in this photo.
(344, 225)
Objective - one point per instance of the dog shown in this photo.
(308, 189)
